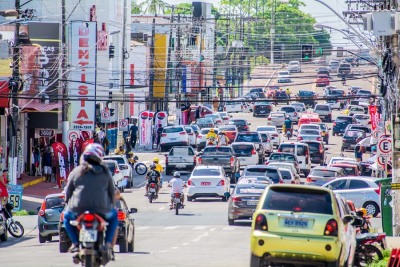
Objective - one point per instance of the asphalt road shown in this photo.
(199, 236)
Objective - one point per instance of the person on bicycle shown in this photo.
(152, 176)
(177, 185)
(159, 168)
(288, 125)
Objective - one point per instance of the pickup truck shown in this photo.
(180, 158)
(223, 156)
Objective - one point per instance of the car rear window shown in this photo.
(254, 171)
(322, 126)
(323, 173)
(278, 115)
(205, 131)
(227, 128)
(217, 150)
(173, 130)
(286, 174)
(337, 92)
(282, 157)
(298, 200)
(322, 107)
(342, 118)
(248, 137)
(181, 151)
(242, 149)
(361, 116)
(53, 202)
(204, 121)
(354, 134)
(119, 160)
(206, 172)
(237, 122)
(310, 126)
(309, 132)
(306, 93)
(250, 190)
(288, 109)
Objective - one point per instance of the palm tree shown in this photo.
(153, 6)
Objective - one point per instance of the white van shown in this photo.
(302, 152)
(233, 106)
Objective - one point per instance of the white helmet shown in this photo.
(93, 153)
(177, 174)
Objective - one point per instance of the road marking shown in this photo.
(200, 237)
(185, 244)
(170, 227)
(174, 247)
(314, 87)
(200, 227)
(162, 208)
(229, 228)
(142, 228)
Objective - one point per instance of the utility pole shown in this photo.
(151, 78)
(272, 30)
(178, 55)
(15, 83)
(64, 101)
(169, 63)
(216, 58)
(121, 107)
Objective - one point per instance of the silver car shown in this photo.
(300, 107)
(294, 66)
(363, 191)
(291, 112)
(276, 118)
(309, 135)
(273, 133)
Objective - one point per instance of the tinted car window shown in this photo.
(323, 173)
(53, 202)
(298, 200)
(255, 171)
(337, 185)
(301, 150)
(264, 137)
(227, 128)
(117, 159)
(337, 92)
(247, 137)
(242, 149)
(288, 109)
(237, 122)
(288, 148)
(282, 157)
(322, 107)
(357, 184)
(349, 171)
(342, 118)
(173, 130)
(313, 146)
(273, 174)
(111, 167)
(204, 121)
(252, 189)
(217, 150)
(206, 172)
(205, 131)
(309, 132)
(286, 174)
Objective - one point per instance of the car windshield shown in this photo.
(242, 149)
(227, 128)
(117, 159)
(282, 157)
(237, 122)
(288, 109)
(173, 130)
(298, 200)
(217, 150)
(354, 134)
(53, 202)
(322, 107)
(205, 131)
(206, 172)
(254, 189)
(309, 132)
(247, 137)
(323, 173)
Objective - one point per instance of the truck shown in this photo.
(180, 158)
(223, 156)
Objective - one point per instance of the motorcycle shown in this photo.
(3, 228)
(139, 167)
(177, 203)
(152, 193)
(288, 134)
(93, 250)
(367, 250)
(15, 228)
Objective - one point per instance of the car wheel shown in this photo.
(372, 208)
(255, 261)
(123, 245)
(332, 264)
(131, 247)
(63, 247)
(189, 199)
(231, 221)
(4, 237)
(42, 239)
(49, 238)
(224, 199)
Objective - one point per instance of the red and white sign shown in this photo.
(385, 147)
(146, 129)
(123, 125)
(375, 117)
(83, 74)
(105, 116)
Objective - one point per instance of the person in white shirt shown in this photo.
(101, 135)
(177, 185)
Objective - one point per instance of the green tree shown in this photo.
(135, 8)
(153, 7)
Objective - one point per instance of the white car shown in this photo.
(363, 119)
(124, 166)
(294, 66)
(284, 77)
(273, 133)
(246, 153)
(173, 136)
(116, 173)
(333, 65)
(233, 106)
(267, 143)
(225, 117)
(276, 118)
(217, 119)
(333, 160)
(310, 127)
(208, 181)
(192, 136)
(291, 112)
(364, 192)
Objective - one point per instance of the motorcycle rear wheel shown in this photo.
(89, 262)
(177, 206)
(16, 229)
(365, 255)
(151, 198)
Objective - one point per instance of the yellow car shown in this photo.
(298, 224)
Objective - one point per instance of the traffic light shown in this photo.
(111, 51)
(306, 52)
(201, 58)
(319, 51)
(112, 112)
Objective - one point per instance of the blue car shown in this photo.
(341, 123)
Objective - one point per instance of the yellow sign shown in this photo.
(395, 186)
(160, 64)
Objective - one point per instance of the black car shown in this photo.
(351, 138)
(323, 70)
(317, 151)
(257, 90)
(255, 138)
(281, 96)
(360, 127)
(340, 124)
(241, 125)
(262, 109)
(307, 97)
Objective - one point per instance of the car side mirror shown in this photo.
(348, 219)
(133, 210)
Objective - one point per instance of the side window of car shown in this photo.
(357, 184)
(191, 152)
(338, 185)
(301, 150)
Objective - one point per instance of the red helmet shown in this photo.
(94, 152)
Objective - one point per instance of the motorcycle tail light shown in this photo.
(121, 216)
(261, 223)
(253, 152)
(89, 217)
(177, 194)
(331, 228)
(152, 185)
(221, 183)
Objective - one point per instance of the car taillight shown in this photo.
(190, 183)
(121, 216)
(62, 217)
(166, 160)
(378, 190)
(309, 180)
(281, 181)
(199, 136)
(89, 217)
(232, 161)
(163, 135)
(269, 119)
(299, 138)
(221, 183)
(116, 171)
(295, 114)
(253, 152)
(246, 127)
(331, 228)
(334, 124)
(236, 199)
(261, 223)
(183, 133)
(199, 160)
(279, 150)
(319, 138)
(190, 133)
(194, 160)
(42, 208)
(321, 149)
(275, 135)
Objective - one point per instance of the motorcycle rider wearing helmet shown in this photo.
(91, 188)
(212, 135)
(152, 176)
(177, 184)
(288, 126)
(223, 140)
(159, 168)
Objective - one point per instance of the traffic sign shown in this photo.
(123, 125)
(105, 116)
(384, 147)
(381, 161)
(73, 135)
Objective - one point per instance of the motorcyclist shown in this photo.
(223, 140)
(288, 92)
(212, 136)
(288, 125)
(363, 214)
(120, 151)
(160, 169)
(90, 188)
(177, 185)
(132, 159)
(152, 176)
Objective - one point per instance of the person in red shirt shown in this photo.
(3, 188)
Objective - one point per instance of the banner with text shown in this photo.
(62, 163)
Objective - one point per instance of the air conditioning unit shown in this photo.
(367, 22)
(396, 21)
(382, 23)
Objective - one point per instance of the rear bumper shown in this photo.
(206, 192)
(182, 166)
(241, 213)
(48, 228)
(172, 144)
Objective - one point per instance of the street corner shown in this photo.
(38, 188)
(31, 181)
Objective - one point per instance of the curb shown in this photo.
(33, 182)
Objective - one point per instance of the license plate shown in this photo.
(297, 223)
(252, 202)
(172, 139)
(87, 235)
(177, 200)
(262, 111)
(152, 190)
(242, 159)
(205, 183)
(352, 145)
(322, 116)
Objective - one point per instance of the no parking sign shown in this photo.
(385, 147)
(123, 125)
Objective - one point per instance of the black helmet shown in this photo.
(152, 166)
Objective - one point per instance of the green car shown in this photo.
(49, 216)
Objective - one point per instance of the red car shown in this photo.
(204, 111)
(271, 91)
(349, 169)
(230, 132)
(322, 80)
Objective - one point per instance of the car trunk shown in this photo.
(54, 208)
(207, 182)
(247, 201)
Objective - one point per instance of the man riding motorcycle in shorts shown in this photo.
(90, 188)
(177, 185)
(152, 176)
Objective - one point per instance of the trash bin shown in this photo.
(386, 209)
